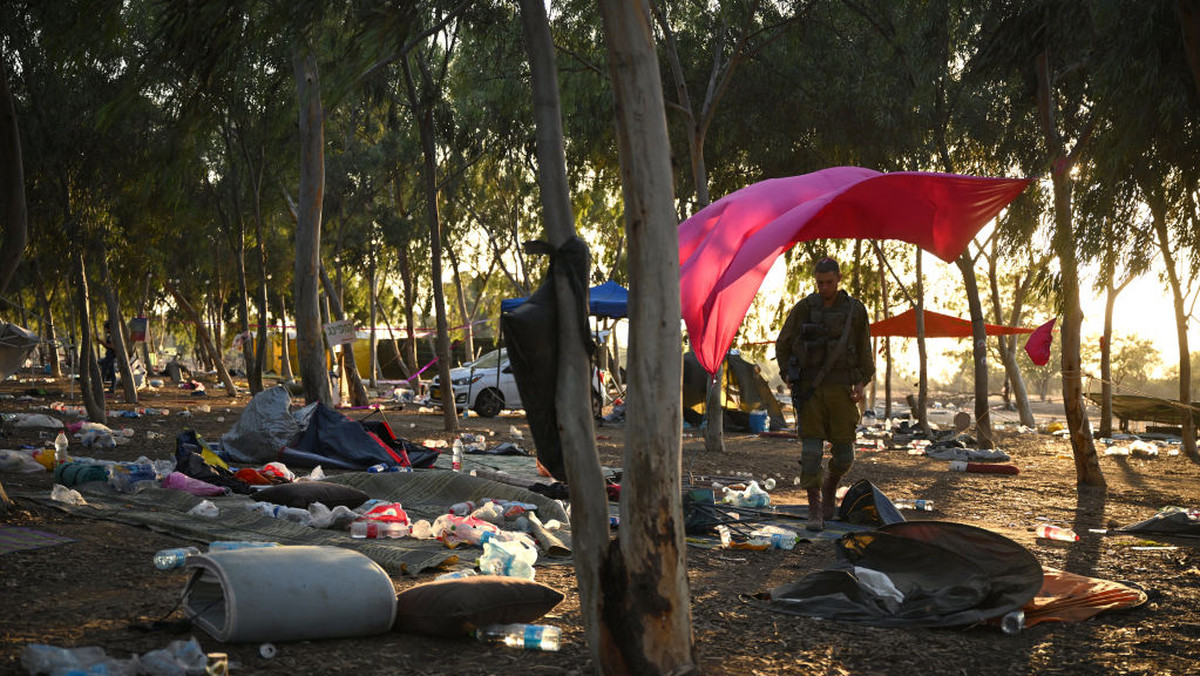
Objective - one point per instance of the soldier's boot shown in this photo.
(829, 494)
(816, 520)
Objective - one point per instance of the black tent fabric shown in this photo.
(866, 505)
(1174, 521)
(189, 460)
(746, 390)
(531, 336)
(917, 574)
(419, 456)
(333, 440)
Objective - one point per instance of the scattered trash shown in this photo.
(1048, 532)
(166, 559)
(774, 537)
(70, 496)
(205, 509)
(920, 505)
(267, 651)
(509, 554)
(528, 636)
(456, 575)
(982, 468)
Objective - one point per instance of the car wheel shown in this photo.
(489, 403)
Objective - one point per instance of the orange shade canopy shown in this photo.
(937, 325)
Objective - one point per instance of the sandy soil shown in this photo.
(99, 589)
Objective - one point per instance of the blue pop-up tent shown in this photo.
(606, 300)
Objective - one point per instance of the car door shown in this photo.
(508, 385)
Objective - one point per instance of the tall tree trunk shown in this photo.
(253, 374)
(408, 287)
(714, 413)
(374, 310)
(91, 383)
(400, 360)
(116, 328)
(461, 294)
(922, 413)
(423, 111)
(1158, 211)
(49, 333)
(1106, 384)
(309, 336)
(983, 416)
(202, 336)
(285, 350)
(1008, 344)
(1087, 465)
(885, 301)
(14, 219)
(358, 393)
(646, 611)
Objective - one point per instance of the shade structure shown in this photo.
(937, 325)
(606, 300)
(727, 248)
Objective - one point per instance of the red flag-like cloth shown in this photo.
(1038, 345)
(727, 248)
(937, 325)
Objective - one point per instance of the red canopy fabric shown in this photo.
(727, 248)
(1038, 345)
(937, 325)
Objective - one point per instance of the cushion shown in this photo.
(303, 493)
(457, 607)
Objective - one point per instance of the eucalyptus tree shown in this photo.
(14, 224)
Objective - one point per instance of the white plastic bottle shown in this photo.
(456, 456)
(166, 559)
(60, 449)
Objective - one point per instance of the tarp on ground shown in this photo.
(745, 391)
(606, 300)
(726, 248)
(937, 325)
(917, 574)
(15, 345)
(1174, 521)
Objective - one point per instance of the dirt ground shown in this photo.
(98, 590)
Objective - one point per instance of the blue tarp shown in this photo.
(607, 300)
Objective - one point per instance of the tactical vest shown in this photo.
(819, 337)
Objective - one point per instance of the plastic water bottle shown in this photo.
(60, 449)
(774, 537)
(230, 545)
(528, 636)
(1049, 532)
(456, 456)
(456, 575)
(919, 505)
(166, 559)
(378, 529)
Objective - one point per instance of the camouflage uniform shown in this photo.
(825, 411)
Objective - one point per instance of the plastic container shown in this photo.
(758, 422)
(456, 453)
(774, 537)
(1013, 622)
(527, 636)
(1048, 532)
(131, 477)
(166, 559)
(919, 505)
(60, 449)
(508, 557)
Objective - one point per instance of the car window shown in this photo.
(489, 360)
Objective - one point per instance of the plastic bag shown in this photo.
(205, 509)
(509, 556)
(70, 496)
(19, 461)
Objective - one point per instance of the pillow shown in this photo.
(456, 607)
(304, 493)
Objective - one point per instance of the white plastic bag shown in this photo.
(205, 509)
(70, 496)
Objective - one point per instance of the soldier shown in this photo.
(824, 352)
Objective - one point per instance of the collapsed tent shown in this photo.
(333, 440)
(917, 574)
(743, 390)
(15, 345)
(726, 248)
(937, 325)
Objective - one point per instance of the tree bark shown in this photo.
(91, 384)
(1008, 344)
(285, 350)
(983, 416)
(423, 111)
(887, 341)
(1181, 328)
(358, 392)
(1106, 384)
(922, 413)
(461, 296)
(50, 333)
(309, 335)
(116, 328)
(206, 342)
(374, 366)
(410, 317)
(646, 611)
(14, 219)
(714, 414)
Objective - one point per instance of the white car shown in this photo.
(487, 386)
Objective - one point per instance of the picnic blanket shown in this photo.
(425, 494)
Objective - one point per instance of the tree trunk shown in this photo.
(50, 333)
(91, 384)
(461, 294)
(253, 378)
(423, 111)
(646, 608)
(309, 336)
(13, 214)
(387, 321)
(884, 299)
(374, 307)
(410, 302)
(358, 393)
(1008, 344)
(922, 413)
(205, 341)
(714, 414)
(1181, 329)
(285, 350)
(983, 416)
(1106, 384)
(116, 328)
